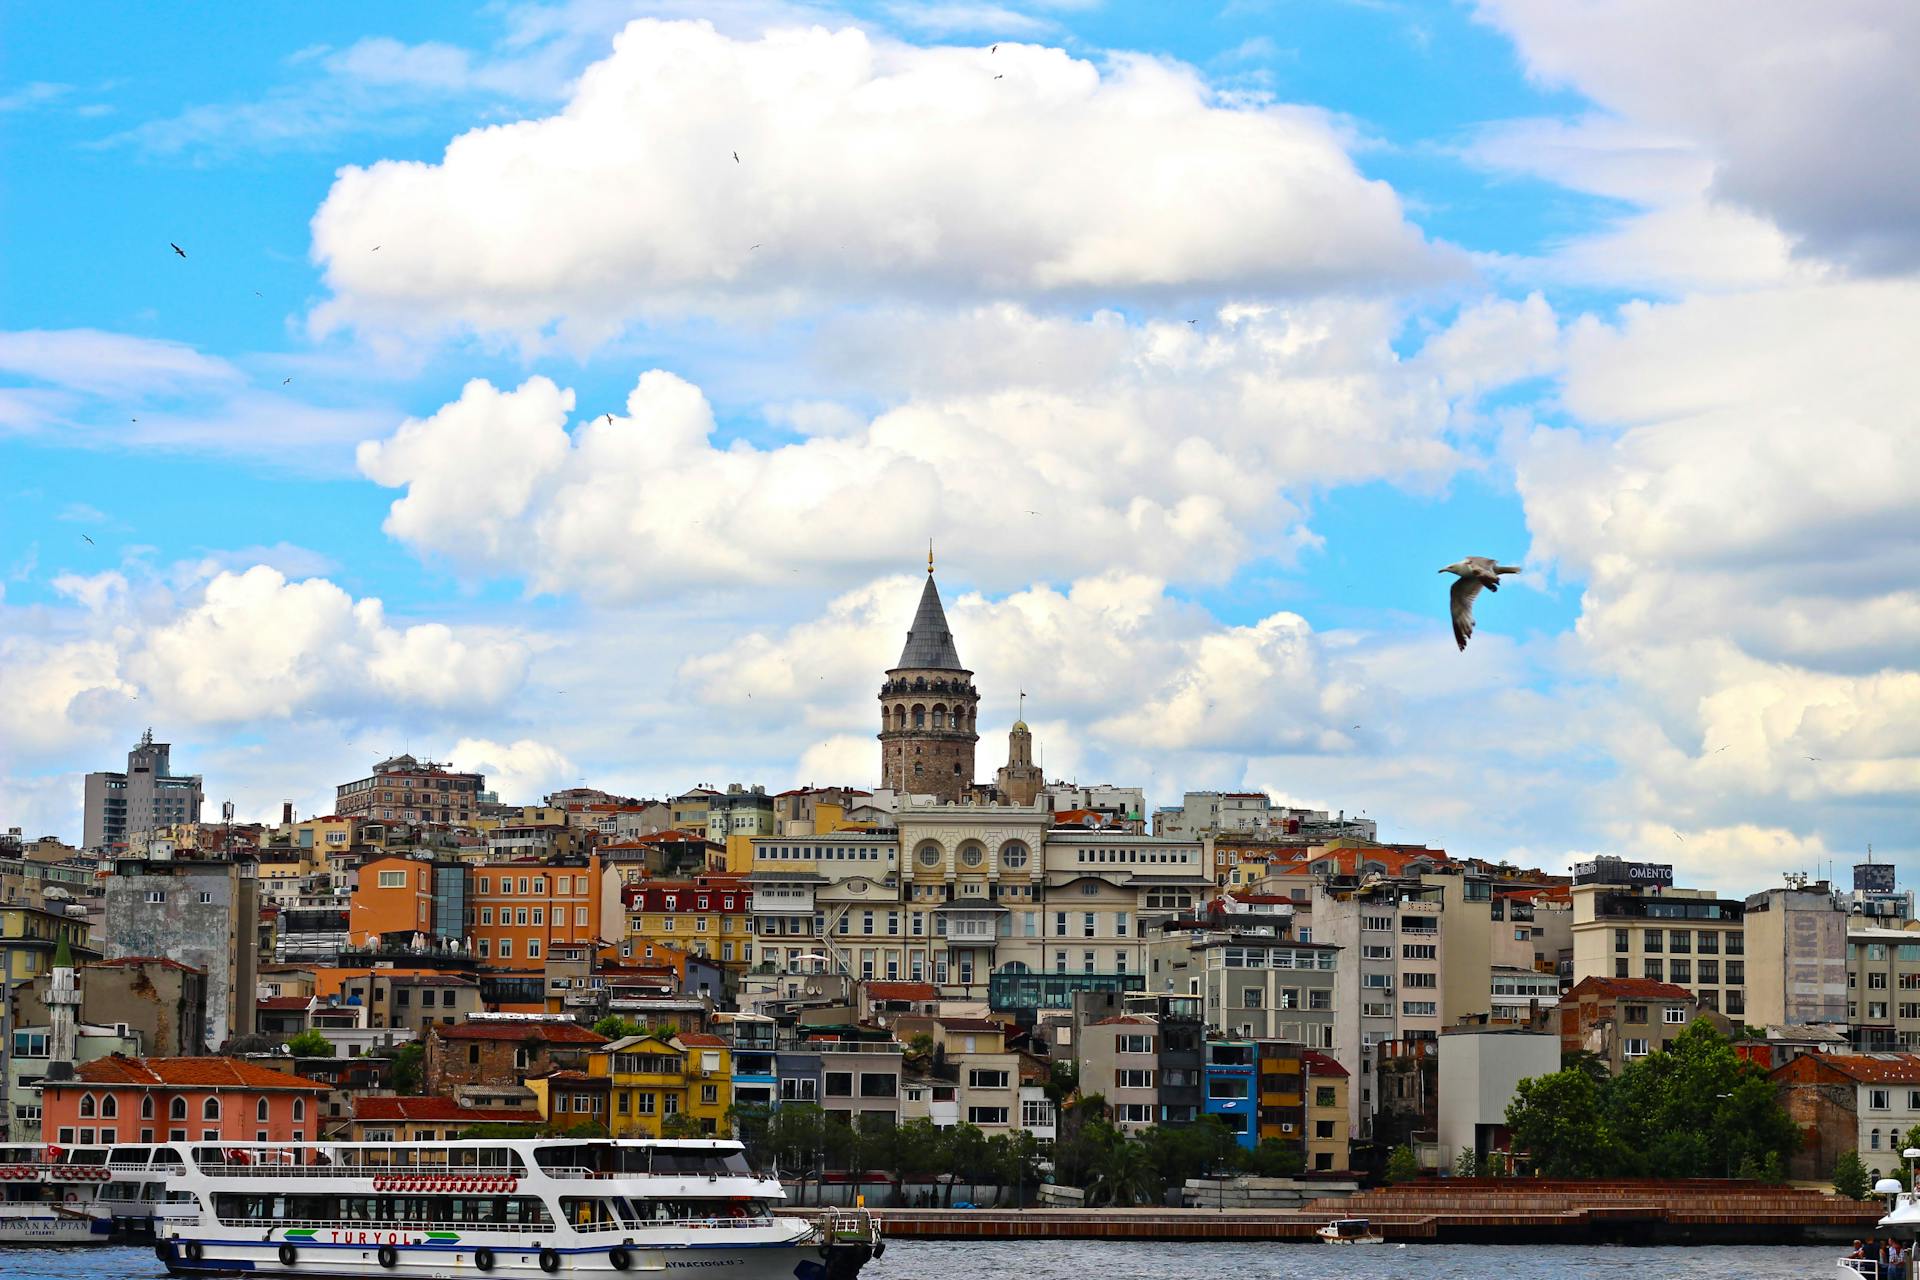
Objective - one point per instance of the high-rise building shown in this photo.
(201, 913)
(928, 707)
(1630, 922)
(144, 798)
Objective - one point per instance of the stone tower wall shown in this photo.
(944, 754)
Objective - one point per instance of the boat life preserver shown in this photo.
(288, 1254)
(73, 1197)
(736, 1210)
(192, 1250)
(389, 1256)
(549, 1261)
(620, 1258)
(483, 1259)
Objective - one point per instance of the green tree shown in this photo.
(1275, 1158)
(1850, 1176)
(1182, 1151)
(310, 1044)
(681, 1125)
(1401, 1165)
(1560, 1121)
(409, 1070)
(1121, 1173)
(1468, 1163)
(1015, 1157)
(615, 1027)
(495, 1132)
(1063, 1081)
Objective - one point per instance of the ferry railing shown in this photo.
(232, 1169)
(515, 1228)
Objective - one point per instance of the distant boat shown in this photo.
(1350, 1231)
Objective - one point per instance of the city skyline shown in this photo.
(498, 414)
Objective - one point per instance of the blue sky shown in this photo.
(1443, 262)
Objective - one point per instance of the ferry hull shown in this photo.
(771, 1261)
(52, 1228)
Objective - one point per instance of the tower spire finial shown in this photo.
(929, 557)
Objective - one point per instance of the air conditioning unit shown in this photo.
(1286, 1128)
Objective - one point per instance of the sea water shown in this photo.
(1135, 1260)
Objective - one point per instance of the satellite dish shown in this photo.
(1888, 1187)
(286, 1048)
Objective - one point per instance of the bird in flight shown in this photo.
(176, 248)
(609, 419)
(285, 381)
(84, 538)
(995, 49)
(375, 249)
(999, 77)
(1474, 572)
(752, 247)
(1193, 322)
(736, 157)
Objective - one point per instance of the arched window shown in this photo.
(146, 1106)
(210, 1109)
(87, 1111)
(177, 1109)
(110, 1107)
(919, 716)
(1874, 1139)
(260, 1109)
(939, 717)
(299, 1108)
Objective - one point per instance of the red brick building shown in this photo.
(1864, 1102)
(1623, 1018)
(503, 1053)
(424, 1119)
(116, 1099)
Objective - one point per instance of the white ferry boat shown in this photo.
(517, 1207)
(80, 1195)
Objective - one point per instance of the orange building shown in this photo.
(116, 1099)
(519, 911)
(394, 895)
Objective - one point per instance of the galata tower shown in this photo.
(927, 709)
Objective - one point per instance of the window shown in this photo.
(260, 1111)
(839, 1084)
(793, 1090)
(1132, 1078)
(506, 948)
(146, 1106)
(1419, 1008)
(1636, 1048)
(986, 1079)
(177, 1109)
(393, 879)
(646, 1104)
(1674, 1013)
(1636, 1013)
(1656, 970)
(986, 1115)
(1681, 971)
(299, 1109)
(1250, 998)
(1425, 981)
(1419, 951)
(1142, 1044)
(1876, 982)
(1324, 1095)
(210, 1109)
(1879, 1099)
(533, 948)
(153, 896)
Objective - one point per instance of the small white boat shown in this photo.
(1901, 1222)
(528, 1208)
(1350, 1231)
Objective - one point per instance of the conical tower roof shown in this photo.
(929, 642)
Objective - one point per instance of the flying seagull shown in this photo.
(609, 419)
(736, 157)
(84, 538)
(285, 381)
(999, 77)
(176, 248)
(1474, 573)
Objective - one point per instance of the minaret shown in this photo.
(63, 1010)
(927, 709)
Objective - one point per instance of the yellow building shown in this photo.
(29, 936)
(652, 1080)
(706, 916)
(1328, 1130)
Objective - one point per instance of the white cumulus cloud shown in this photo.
(867, 169)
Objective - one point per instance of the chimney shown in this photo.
(286, 813)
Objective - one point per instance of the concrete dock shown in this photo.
(1457, 1210)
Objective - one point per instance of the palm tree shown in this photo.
(1122, 1173)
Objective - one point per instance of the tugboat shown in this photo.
(1350, 1231)
(511, 1207)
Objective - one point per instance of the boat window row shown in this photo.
(500, 1212)
(606, 1158)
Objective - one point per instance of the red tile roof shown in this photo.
(1320, 1064)
(289, 1003)
(700, 1040)
(902, 991)
(1874, 1068)
(551, 1032)
(1125, 1020)
(1627, 988)
(436, 1109)
(196, 1073)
